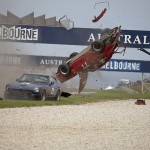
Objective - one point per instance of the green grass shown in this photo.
(138, 87)
(77, 99)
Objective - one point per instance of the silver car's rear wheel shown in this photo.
(57, 97)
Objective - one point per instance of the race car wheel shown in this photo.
(73, 54)
(64, 70)
(97, 47)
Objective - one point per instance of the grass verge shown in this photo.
(77, 99)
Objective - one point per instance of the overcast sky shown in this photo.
(130, 14)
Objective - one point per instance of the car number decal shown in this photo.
(85, 65)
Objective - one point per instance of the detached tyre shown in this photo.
(97, 47)
(64, 70)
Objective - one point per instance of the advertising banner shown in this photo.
(53, 61)
(127, 66)
(75, 36)
(30, 60)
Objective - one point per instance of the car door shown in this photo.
(52, 87)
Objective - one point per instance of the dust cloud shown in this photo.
(8, 71)
(12, 66)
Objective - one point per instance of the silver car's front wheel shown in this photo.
(57, 97)
(43, 96)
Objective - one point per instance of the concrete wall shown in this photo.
(28, 20)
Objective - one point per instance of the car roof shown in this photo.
(39, 74)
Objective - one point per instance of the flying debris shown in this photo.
(99, 16)
(102, 2)
(109, 88)
(66, 23)
(102, 13)
(143, 50)
(140, 102)
(91, 58)
(18, 49)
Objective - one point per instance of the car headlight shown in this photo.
(36, 89)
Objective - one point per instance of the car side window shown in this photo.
(40, 79)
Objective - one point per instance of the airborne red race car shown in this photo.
(91, 58)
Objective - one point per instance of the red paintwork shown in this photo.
(89, 60)
(100, 15)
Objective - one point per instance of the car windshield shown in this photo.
(34, 78)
